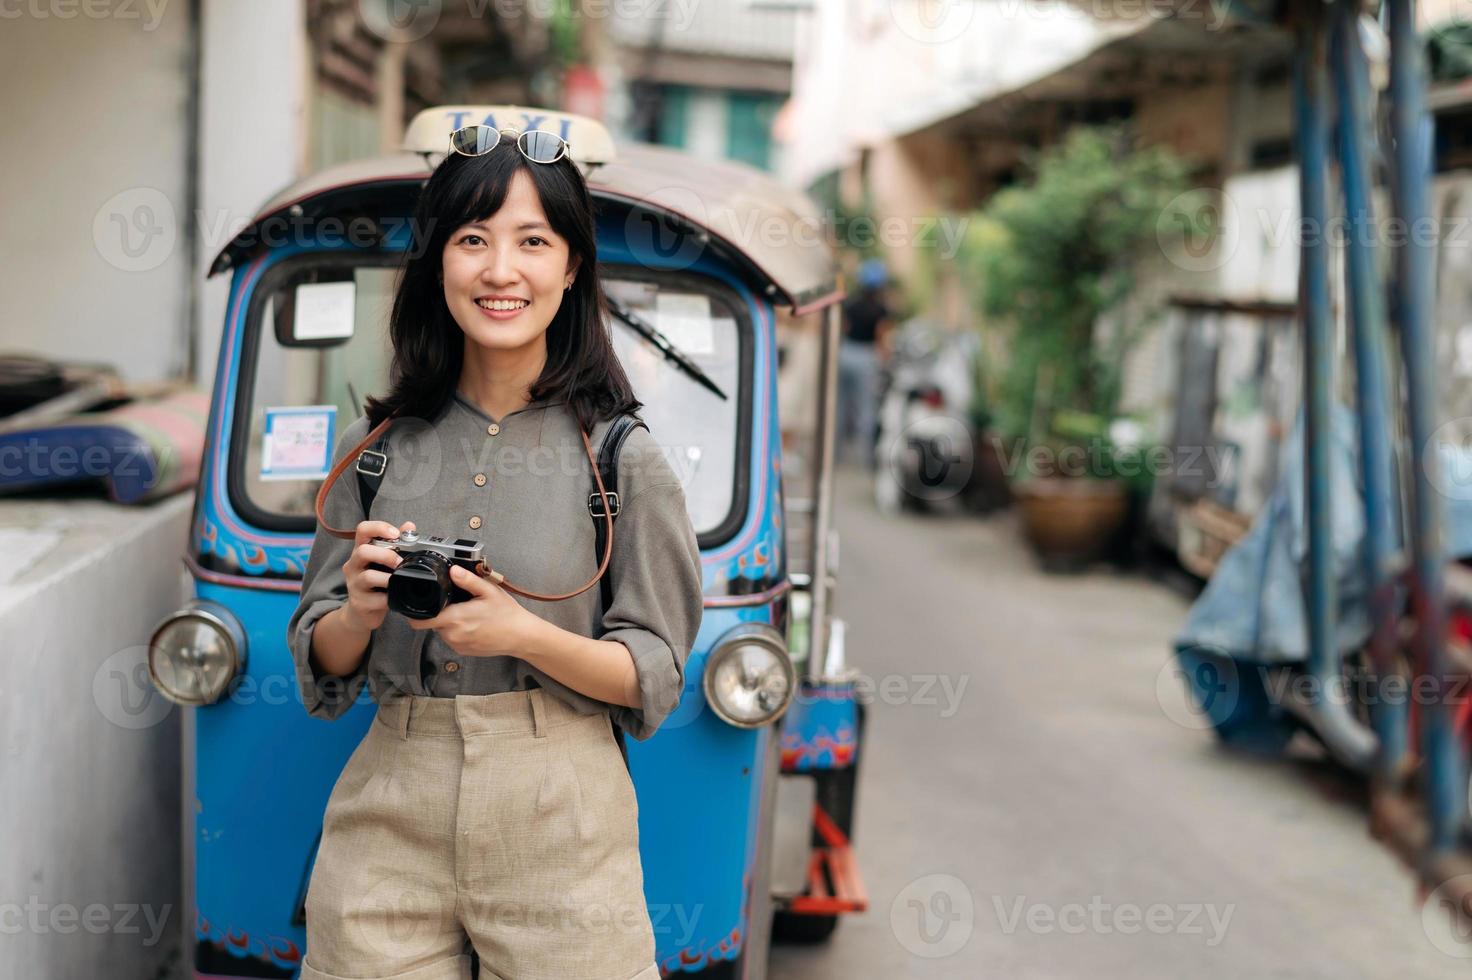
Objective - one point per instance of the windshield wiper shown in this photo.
(647, 330)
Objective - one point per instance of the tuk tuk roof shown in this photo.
(771, 232)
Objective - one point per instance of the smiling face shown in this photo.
(504, 275)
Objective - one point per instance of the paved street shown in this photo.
(1060, 802)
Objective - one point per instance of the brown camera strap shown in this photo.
(486, 571)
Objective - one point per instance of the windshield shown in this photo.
(318, 345)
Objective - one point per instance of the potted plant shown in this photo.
(1056, 258)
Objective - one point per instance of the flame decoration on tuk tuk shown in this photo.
(274, 951)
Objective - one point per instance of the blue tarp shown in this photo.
(1253, 608)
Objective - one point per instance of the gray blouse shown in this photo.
(520, 485)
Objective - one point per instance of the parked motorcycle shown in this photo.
(927, 442)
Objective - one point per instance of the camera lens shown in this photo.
(420, 587)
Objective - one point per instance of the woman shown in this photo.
(488, 808)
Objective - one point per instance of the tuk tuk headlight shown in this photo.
(749, 679)
(195, 654)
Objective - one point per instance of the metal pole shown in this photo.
(1349, 741)
(1366, 302)
(1446, 785)
(823, 490)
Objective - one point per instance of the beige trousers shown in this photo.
(506, 822)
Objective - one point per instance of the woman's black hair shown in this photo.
(429, 346)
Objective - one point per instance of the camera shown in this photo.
(420, 587)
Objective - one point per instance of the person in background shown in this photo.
(866, 322)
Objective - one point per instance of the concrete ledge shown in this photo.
(89, 754)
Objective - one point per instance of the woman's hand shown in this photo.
(488, 624)
(367, 603)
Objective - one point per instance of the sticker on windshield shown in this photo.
(297, 444)
(685, 319)
(324, 310)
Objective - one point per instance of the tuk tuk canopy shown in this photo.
(771, 233)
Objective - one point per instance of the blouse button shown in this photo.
(451, 667)
(480, 479)
(493, 429)
(475, 523)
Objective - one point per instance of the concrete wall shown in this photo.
(100, 158)
(90, 871)
(255, 94)
(94, 139)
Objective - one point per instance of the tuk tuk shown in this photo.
(746, 792)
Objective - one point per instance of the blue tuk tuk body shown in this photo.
(259, 769)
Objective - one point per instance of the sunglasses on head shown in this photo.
(536, 145)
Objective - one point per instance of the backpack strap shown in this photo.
(372, 464)
(608, 453)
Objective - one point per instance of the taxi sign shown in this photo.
(587, 139)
